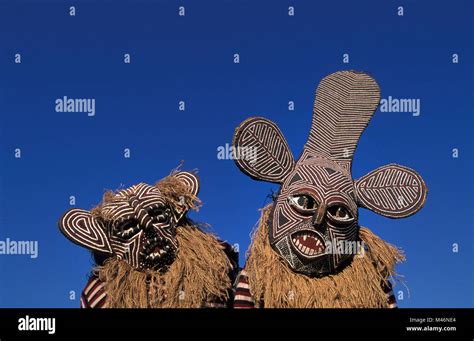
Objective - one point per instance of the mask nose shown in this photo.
(318, 216)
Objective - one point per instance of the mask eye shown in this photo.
(160, 213)
(340, 214)
(303, 203)
(126, 229)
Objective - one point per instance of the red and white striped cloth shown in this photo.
(94, 295)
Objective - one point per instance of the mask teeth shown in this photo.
(305, 249)
(155, 259)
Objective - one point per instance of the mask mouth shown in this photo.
(308, 243)
(157, 253)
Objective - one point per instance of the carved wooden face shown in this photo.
(317, 205)
(137, 225)
(315, 210)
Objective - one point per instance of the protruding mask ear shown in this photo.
(393, 191)
(187, 201)
(261, 151)
(191, 181)
(80, 227)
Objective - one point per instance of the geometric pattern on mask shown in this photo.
(328, 187)
(283, 245)
(320, 265)
(264, 153)
(393, 191)
(345, 102)
(290, 256)
(339, 234)
(135, 203)
(80, 227)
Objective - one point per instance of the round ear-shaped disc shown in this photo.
(191, 180)
(80, 227)
(393, 191)
(261, 151)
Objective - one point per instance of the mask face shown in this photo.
(137, 224)
(141, 227)
(316, 210)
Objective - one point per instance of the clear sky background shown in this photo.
(190, 58)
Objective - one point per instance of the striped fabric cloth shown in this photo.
(243, 298)
(93, 295)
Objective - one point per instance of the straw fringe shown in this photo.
(274, 285)
(177, 193)
(199, 275)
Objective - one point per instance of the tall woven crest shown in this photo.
(345, 102)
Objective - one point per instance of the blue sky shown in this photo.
(190, 58)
